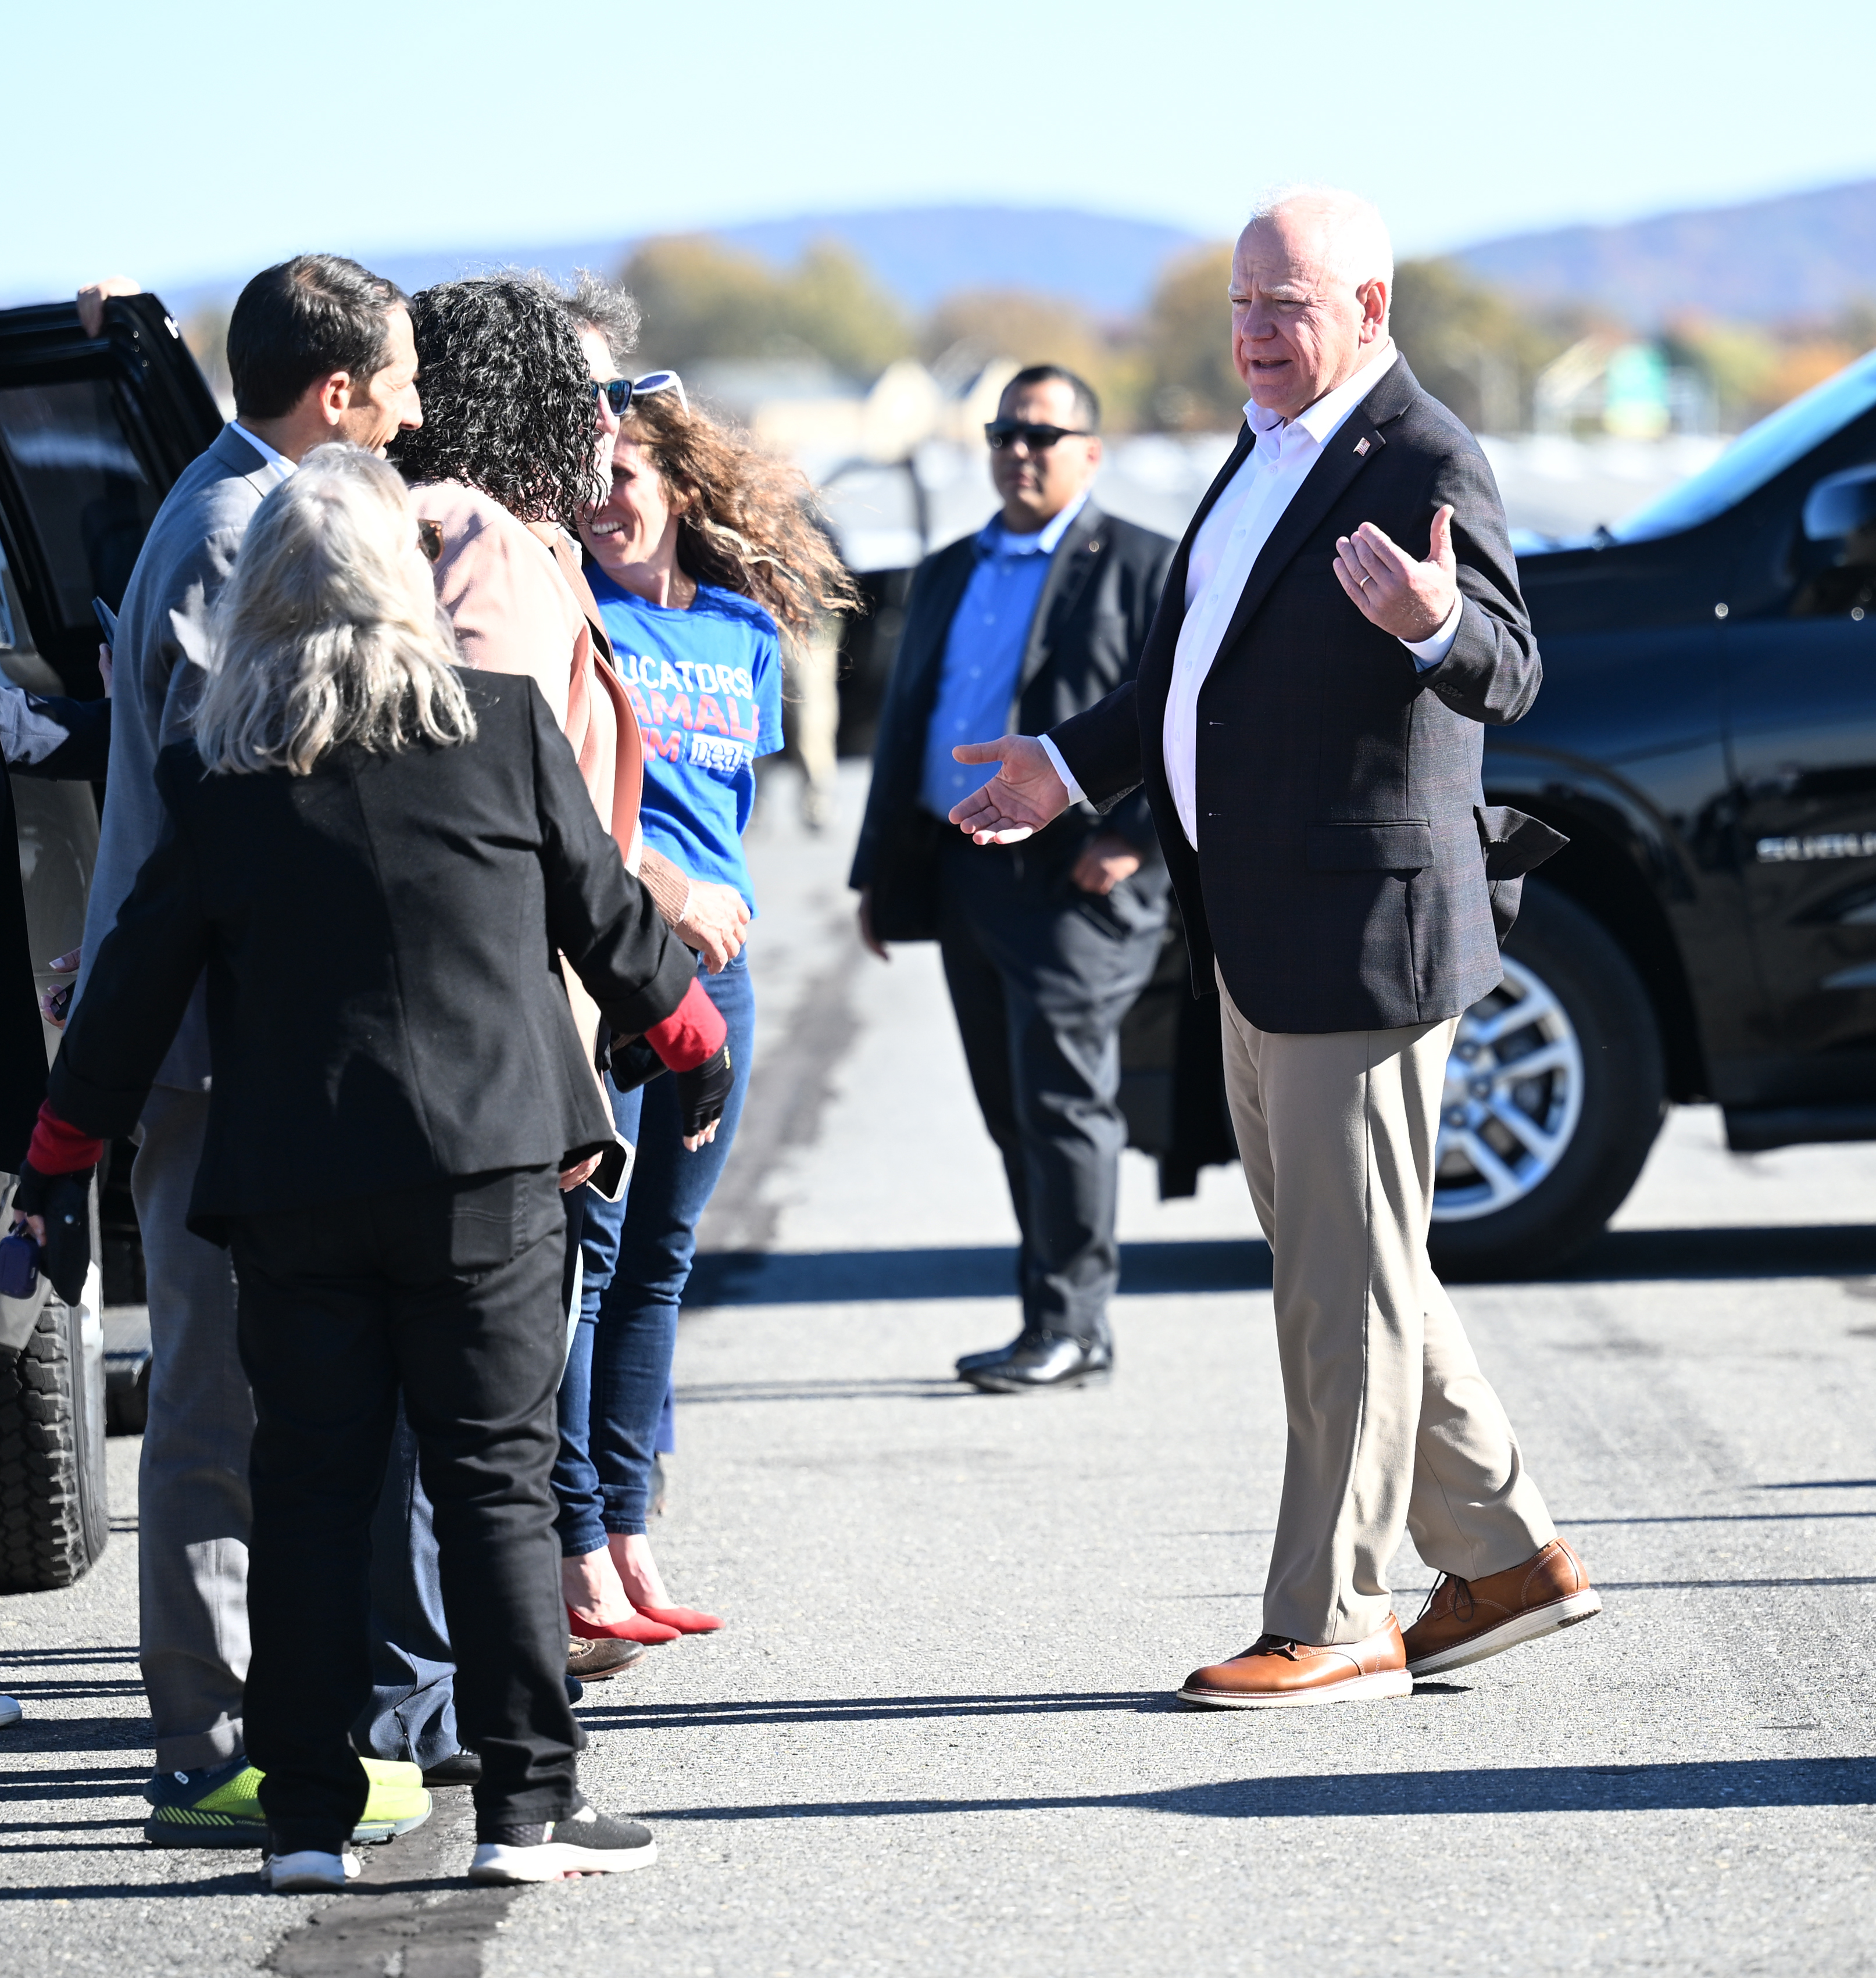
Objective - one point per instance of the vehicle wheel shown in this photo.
(1555, 1091)
(55, 1514)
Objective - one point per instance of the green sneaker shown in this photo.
(218, 1806)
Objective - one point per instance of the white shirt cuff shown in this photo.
(1075, 794)
(1429, 652)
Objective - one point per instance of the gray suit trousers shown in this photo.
(192, 1487)
(1393, 1428)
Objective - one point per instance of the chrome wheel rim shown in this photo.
(1512, 1099)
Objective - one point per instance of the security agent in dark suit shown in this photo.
(1034, 619)
(1341, 621)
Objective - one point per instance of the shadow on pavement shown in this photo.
(76, 1733)
(1621, 1256)
(243, 1881)
(873, 1709)
(884, 1388)
(862, 1277)
(1745, 1782)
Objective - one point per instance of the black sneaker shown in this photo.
(460, 1768)
(585, 1842)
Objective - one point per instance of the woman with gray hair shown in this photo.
(379, 858)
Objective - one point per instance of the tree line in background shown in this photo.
(1476, 348)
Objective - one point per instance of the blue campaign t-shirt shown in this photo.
(706, 687)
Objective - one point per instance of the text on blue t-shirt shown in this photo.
(706, 684)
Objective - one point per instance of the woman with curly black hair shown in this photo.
(703, 555)
(514, 440)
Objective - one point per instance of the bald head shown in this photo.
(1311, 281)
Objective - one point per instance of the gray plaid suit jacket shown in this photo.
(157, 676)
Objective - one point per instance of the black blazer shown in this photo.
(385, 1006)
(1340, 876)
(1090, 622)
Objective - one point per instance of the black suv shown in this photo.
(93, 432)
(1706, 736)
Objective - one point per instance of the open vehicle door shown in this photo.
(93, 432)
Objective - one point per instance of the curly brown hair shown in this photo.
(748, 523)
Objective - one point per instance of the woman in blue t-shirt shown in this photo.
(704, 547)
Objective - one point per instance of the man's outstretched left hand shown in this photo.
(1390, 589)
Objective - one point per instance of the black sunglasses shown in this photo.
(621, 391)
(430, 540)
(1001, 432)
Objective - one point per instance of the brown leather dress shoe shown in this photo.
(1466, 1620)
(1273, 1674)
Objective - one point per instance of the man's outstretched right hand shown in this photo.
(1023, 796)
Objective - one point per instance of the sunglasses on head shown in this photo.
(620, 392)
(1001, 432)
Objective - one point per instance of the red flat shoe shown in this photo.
(633, 1630)
(681, 1620)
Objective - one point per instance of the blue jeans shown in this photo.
(636, 1257)
(412, 1710)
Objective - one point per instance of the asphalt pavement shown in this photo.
(937, 1736)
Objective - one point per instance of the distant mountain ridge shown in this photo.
(920, 253)
(1804, 254)
(1801, 254)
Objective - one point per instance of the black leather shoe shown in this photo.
(461, 1768)
(969, 1363)
(1047, 1362)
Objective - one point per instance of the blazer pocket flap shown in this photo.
(1405, 846)
(1514, 844)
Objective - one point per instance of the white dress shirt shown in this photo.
(1229, 542)
(277, 460)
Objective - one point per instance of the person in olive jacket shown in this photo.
(379, 859)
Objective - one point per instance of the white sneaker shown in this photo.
(585, 1842)
(308, 1872)
(10, 1713)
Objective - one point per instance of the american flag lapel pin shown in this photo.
(1360, 446)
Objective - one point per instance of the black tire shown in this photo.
(54, 1513)
(1623, 1099)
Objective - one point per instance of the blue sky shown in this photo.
(191, 139)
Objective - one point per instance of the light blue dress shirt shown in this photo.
(983, 655)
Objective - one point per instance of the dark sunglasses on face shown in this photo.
(1001, 432)
(621, 391)
(430, 540)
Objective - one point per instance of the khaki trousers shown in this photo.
(1392, 1427)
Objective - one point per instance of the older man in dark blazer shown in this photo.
(1341, 619)
(1038, 617)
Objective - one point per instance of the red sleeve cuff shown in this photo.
(59, 1148)
(693, 1032)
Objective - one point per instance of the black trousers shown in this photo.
(1040, 974)
(451, 1294)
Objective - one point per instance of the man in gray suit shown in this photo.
(1340, 623)
(318, 349)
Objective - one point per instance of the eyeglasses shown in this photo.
(1001, 432)
(620, 392)
(430, 540)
